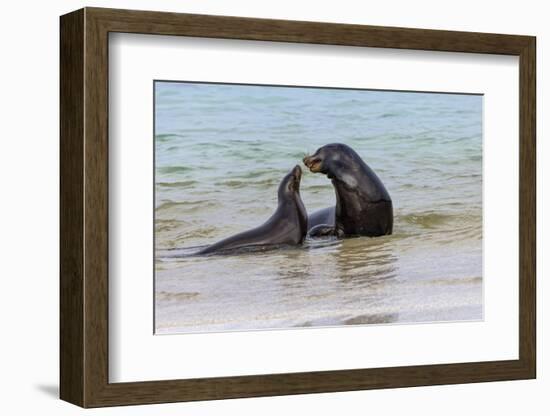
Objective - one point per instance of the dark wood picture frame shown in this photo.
(84, 207)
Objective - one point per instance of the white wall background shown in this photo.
(29, 85)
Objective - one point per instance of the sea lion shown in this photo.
(287, 226)
(363, 205)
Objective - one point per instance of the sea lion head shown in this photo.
(290, 185)
(333, 160)
(348, 171)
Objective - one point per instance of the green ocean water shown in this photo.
(220, 153)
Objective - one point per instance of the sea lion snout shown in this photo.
(297, 171)
(313, 163)
(295, 178)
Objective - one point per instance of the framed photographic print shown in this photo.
(255, 207)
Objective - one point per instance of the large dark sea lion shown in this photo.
(287, 226)
(363, 205)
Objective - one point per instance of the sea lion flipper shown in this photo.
(324, 230)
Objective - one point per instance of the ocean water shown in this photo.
(220, 153)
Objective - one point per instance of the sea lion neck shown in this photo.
(360, 180)
(281, 191)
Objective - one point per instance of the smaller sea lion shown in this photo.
(287, 226)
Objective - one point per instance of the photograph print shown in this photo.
(280, 207)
